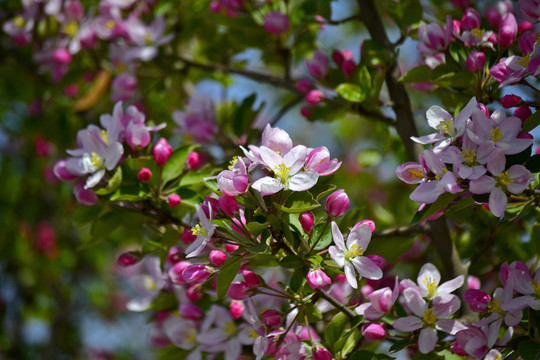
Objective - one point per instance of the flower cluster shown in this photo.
(469, 156)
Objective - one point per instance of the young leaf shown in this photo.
(114, 183)
(173, 168)
(226, 275)
(351, 92)
(334, 330)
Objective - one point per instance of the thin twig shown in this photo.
(342, 21)
(336, 303)
(402, 231)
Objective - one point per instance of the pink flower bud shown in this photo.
(238, 290)
(195, 274)
(320, 353)
(525, 136)
(128, 259)
(237, 309)
(314, 97)
(373, 331)
(524, 26)
(306, 220)
(251, 278)
(144, 174)
(175, 254)
(306, 111)
(62, 56)
(377, 259)
(175, 272)
(215, 7)
(318, 65)
(368, 222)
(276, 23)
(473, 282)
(228, 204)
(71, 90)
(509, 101)
(174, 200)
(85, 197)
(61, 172)
(337, 204)
(340, 278)
(470, 19)
(271, 318)
(366, 290)
(476, 61)
(523, 112)
(217, 257)
(477, 299)
(507, 31)
(187, 237)
(43, 147)
(317, 279)
(193, 160)
(194, 293)
(191, 311)
(230, 248)
(348, 67)
(162, 152)
(484, 109)
(304, 85)
(338, 57)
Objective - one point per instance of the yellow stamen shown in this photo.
(110, 24)
(478, 32)
(536, 287)
(498, 357)
(190, 338)
(353, 252)
(282, 173)
(198, 230)
(431, 285)
(104, 136)
(253, 334)
(71, 28)
(524, 61)
(415, 173)
(148, 39)
(447, 127)
(495, 306)
(503, 180)
(19, 21)
(496, 134)
(149, 284)
(230, 327)
(96, 160)
(233, 162)
(429, 317)
(469, 157)
(440, 176)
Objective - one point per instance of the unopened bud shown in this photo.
(144, 174)
(476, 61)
(509, 101)
(174, 200)
(162, 152)
(175, 272)
(373, 331)
(62, 56)
(507, 31)
(377, 259)
(470, 19)
(367, 222)
(321, 353)
(251, 278)
(337, 204)
(191, 312)
(314, 97)
(128, 259)
(271, 318)
(238, 290)
(276, 23)
(195, 274)
(193, 160)
(217, 257)
(523, 112)
(317, 279)
(194, 293)
(306, 220)
(237, 309)
(228, 204)
(304, 85)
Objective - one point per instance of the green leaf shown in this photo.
(126, 197)
(532, 122)
(105, 225)
(351, 342)
(296, 281)
(256, 228)
(326, 238)
(291, 262)
(175, 165)
(114, 183)
(368, 355)
(533, 164)
(312, 313)
(298, 206)
(529, 350)
(418, 74)
(263, 260)
(461, 79)
(431, 209)
(405, 12)
(401, 344)
(226, 275)
(351, 92)
(258, 249)
(334, 330)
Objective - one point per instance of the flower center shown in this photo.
(253, 334)
(478, 32)
(429, 317)
(524, 61)
(230, 328)
(440, 176)
(353, 252)
(110, 24)
(495, 306)
(536, 287)
(282, 173)
(95, 160)
(198, 230)
(416, 174)
(149, 284)
(190, 338)
(496, 134)
(503, 180)
(469, 157)
(19, 21)
(431, 285)
(104, 136)
(447, 127)
(233, 162)
(71, 28)
(148, 39)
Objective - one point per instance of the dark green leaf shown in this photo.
(418, 74)
(431, 209)
(256, 228)
(401, 344)
(263, 260)
(462, 79)
(334, 330)
(529, 350)
(350, 344)
(298, 206)
(291, 262)
(105, 225)
(174, 166)
(368, 355)
(259, 248)
(405, 12)
(532, 122)
(226, 275)
(326, 238)
(296, 280)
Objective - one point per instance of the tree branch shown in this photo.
(402, 231)
(342, 21)
(336, 303)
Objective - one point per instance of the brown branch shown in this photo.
(336, 303)
(402, 231)
(342, 21)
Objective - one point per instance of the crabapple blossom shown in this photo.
(317, 279)
(337, 204)
(204, 232)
